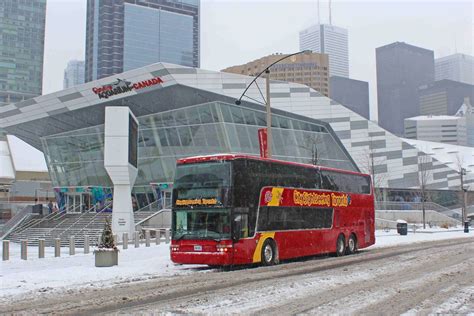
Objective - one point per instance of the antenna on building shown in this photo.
(330, 15)
(319, 15)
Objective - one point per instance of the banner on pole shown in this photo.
(262, 140)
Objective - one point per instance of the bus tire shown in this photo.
(340, 246)
(269, 253)
(352, 244)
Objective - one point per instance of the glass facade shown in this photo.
(127, 34)
(22, 25)
(75, 158)
(153, 35)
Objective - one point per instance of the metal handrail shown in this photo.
(80, 217)
(15, 221)
(393, 205)
(163, 210)
(149, 206)
(46, 218)
(94, 217)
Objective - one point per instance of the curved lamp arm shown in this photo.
(266, 69)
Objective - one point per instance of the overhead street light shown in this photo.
(267, 99)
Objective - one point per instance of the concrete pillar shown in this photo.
(147, 238)
(57, 247)
(116, 239)
(136, 238)
(86, 244)
(72, 246)
(40, 248)
(6, 250)
(24, 249)
(158, 236)
(125, 241)
(167, 236)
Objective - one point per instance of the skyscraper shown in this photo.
(457, 67)
(401, 69)
(353, 94)
(126, 34)
(331, 40)
(73, 74)
(22, 25)
(443, 97)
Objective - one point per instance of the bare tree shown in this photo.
(372, 164)
(424, 176)
(462, 172)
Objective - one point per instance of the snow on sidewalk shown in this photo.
(51, 274)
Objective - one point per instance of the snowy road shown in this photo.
(433, 277)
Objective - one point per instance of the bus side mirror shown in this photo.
(237, 228)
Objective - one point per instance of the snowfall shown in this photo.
(34, 275)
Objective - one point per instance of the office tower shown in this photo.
(443, 97)
(353, 94)
(331, 40)
(456, 67)
(73, 74)
(310, 69)
(437, 128)
(22, 25)
(401, 69)
(127, 34)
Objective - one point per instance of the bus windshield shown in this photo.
(202, 185)
(201, 224)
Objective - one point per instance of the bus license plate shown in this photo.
(197, 248)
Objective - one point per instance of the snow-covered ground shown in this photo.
(135, 264)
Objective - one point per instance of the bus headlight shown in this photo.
(223, 248)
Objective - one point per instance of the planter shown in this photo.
(106, 257)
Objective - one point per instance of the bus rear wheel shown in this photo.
(269, 253)
(352, 245)
(340, 246)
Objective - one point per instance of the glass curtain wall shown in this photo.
(75, 158)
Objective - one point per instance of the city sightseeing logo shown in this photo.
(121, 86)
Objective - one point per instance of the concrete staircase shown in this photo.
(66, 225)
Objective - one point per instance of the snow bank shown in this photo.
(135, 264)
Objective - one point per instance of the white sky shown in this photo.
(235, 32)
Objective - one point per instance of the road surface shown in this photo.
(424, 278)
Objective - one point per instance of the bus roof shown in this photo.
(228, 157)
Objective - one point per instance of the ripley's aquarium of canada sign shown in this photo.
(122, 86)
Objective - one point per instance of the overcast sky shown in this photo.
(238, 31)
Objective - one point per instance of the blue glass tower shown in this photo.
(128, 34)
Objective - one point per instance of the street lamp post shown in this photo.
(267, 101)
(462, 173)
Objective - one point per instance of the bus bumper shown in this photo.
(209, 258)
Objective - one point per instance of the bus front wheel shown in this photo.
(269, 253)
(340, 246)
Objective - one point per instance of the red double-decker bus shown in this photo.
(237, 209)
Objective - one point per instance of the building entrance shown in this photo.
(78, 203)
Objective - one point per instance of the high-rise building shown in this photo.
(331, 40)
(443, 97)
(310, 69)
(353, 94)
(401, 69)
(456, 67)
(73, 74)
(22, 25)
(126, 34)
(437, 128)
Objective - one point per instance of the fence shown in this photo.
(149, 235)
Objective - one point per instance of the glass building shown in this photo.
(76, 158)
(123, 35)
(22, 25)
